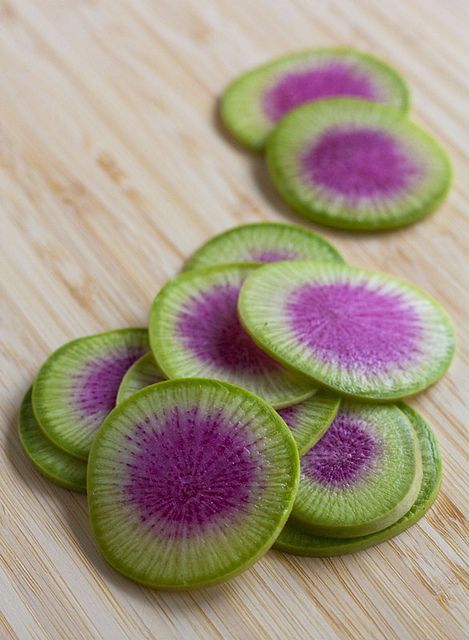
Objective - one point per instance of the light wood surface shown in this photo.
(113, 168)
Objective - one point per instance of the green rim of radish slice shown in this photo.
(357, 165)
(257, 100)
(141, 374)
(298, 542)
(362, 476)
(53, 463)
(195, 332)
(263, 242)
(362, 333)
(77, 386)
(190, 482)
(309, 420)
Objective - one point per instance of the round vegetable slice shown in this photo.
(298, 542)
(141, 374)
(357, 165)
(263, 242)
(362, 476)
(77, 386)
(52, 462)
(195, 332)
(308, 420)
(256, 101)
(190, 482)
(360, 332)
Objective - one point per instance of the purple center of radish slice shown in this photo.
(355, 327)
(334, 79)
(195, 470)
(273, 255)
(95, 387)
(343, 455)
(211, 330)
(359, 163)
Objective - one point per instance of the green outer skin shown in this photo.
(204, 581)
(305, 515)
(375, 396)
(78, 452)
(164, 351)
(306, 438)
(53, 463)
(257, 142)
(216, 244)
(297, 542)
(320, 216)
(143, 373)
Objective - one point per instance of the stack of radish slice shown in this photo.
(263, 405)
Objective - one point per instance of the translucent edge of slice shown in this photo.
(376, 397)
(77, 452)
(193, 261)
(295, 541)
(107, 424)
(323, 217)
(48, 459)
(304, 385)
(143, 373)
(326, 412)
(256, 141)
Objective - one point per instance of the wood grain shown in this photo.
(113, 168)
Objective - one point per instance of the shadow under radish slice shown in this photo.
(298, 542)
(257, 100)
(309, 420)
(195, 332)
(263, 242)
(362, 476)
(141, 374)
(357, 165)
(55, 464)
(77, 386)
(362, 333)
(190, 482)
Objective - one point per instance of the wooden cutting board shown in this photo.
(113, 168)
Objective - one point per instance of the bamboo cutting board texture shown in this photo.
(113, 168)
